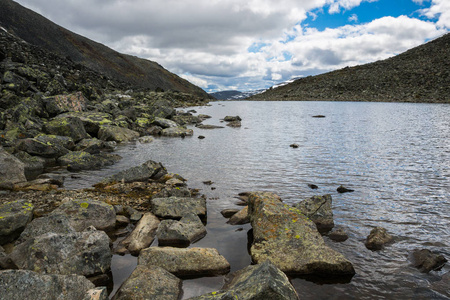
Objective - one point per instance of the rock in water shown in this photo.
(181, 233)
(144, 172)
(143, 235)
(319, 210)
(176, 207)
(426, 261)
(283, 235)
(377, 238)
(14, 216)
(342, 189)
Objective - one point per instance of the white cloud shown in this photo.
(439, 9)
(353, 18)
(336, 5)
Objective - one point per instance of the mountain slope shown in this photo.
(421, 74)
(39, 31)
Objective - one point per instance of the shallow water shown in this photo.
(395, 156)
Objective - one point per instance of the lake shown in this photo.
(396, 156)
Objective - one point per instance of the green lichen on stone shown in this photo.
(84, 205)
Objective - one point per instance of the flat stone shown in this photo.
(14, 216)
(143, 235)
(228, 213)
(148, 170)
(176, 208)
(177, 132)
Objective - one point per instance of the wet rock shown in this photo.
(319, 210)
(49, 224)
(186, 262)
(234, 124)
(177, 132)
(83, 213)
(204, 117)
(338, 235)
(80, 160)
(240, 218)
(82, 253)
(318, 116)
(116, 134)
(285, 236)
(150, 282)
(14, 216)
(63, 141)
(34, 165)
(12, 170)
(442, 286)
(378, 238)
(37, 147)
(24, 284)
(145, 139)
(181, 233)
(228, 213)
(144, 172)
(92, 146)
(232, 118)
(164, 123)
(143, 235)
(64, 103)
(204, 126)
(176, 208)
(262, 281)
(427, 261)
(55, 179)
(313, 186)
(71, 127)
(342, 189)
(295, 146)
(201, 137)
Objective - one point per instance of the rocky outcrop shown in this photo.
(190, 262)
(181, 233)
(426, 261)
(378, 238)
(319, 210)
(12, 170)
(283, 235)
(14, 216)
(24, 284)
(176, 207)
(143, 235)
(144, 172)
(38, 147)
(150, 282)
(262, 281)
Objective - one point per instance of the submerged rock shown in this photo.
(181, 233)
(234, 124)
(232, 118)
(319, 210)
(176, 208)
(338, 235)
(182, 262)
(283, 235)
(427, 261)
(442, 286)
(14, 216)
(150, 282)
(377, 238)
(228, 213)
(143, 235)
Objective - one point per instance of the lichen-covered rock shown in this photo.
(92, 120)
(176, 208)
(426, 261)
(181, 233)
(177, 132)
(283, 235)
(150, 282)
(33, 165)
(92, 146)
(12, 170)
(83, 253)
(143, 235)
(319, 210)
(83, 213)
(80, 160)
(63, 141)
(71, 127)
(262, 281)
(186, 262)
(64, 103)
(35, 146)
(14, 216)
(164, 123)
(116, 134)
(232, 118)
(240, 218)
(144, 172)
(24, 284)
(377, 238)
(234, 124)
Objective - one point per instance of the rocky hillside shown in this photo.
(421, 74)
(39, 31)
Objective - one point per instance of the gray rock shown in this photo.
(12, 170)
(181, 233)
(283, 235)
(164, 123)
(186, 262)
(240, 218)
(232, 118)
(64, 103)
(92, 146)
(63, 141)
(143, 235)
(14, 216)
(319, 210)
(33, 165)
(71, 127)
(5, 261)
(144, 172)
(378, 238)
(426, 261)
(116, 134)
(338, 235)
(24, 284)
(228, 213)
(205, 126)
(49, 224)
(83, 253)
(442, 286)
(176, 208)
(85, 213)
(80, 160)
(234, 124)
(92, 120)
(38, 147)
(150, 282)
(177, 132)
(145, 139)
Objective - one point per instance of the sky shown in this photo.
(254, 44)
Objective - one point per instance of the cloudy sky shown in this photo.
(252, 44)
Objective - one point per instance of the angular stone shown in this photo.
(177, 131)
(186, 262)
(92, 120)
(83, 253)
(71, 127)
(85, 213)
(377, 238)
(181, 233)
(319, 210)
(64, 103)
(38, 147)
(24, 284)
(285, 236)
(5, 261)
(144, 172)
(14, 216)
(34, 165)
(240, 218)
(338, 235)
(116, 134)
(80, 160)
(143, 235)
(176, 208)
(12, 170)
(150, 282)
(228, 213)
(63, 141)
(164, 123)
(426, 261)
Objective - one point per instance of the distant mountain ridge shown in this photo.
(235, 95)
(39, 31)
(421, 74)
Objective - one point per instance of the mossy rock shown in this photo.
(71, 127)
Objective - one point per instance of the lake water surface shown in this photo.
(395, 156)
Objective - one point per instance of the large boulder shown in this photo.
(377, 238)
(14, 216)
(34, 165)
(83, 253)
(92, 120)
(144, 172)
(71, 127)
(176, 207)
(150, 282)
(181, 233)
(186, 262)
(38, 147)
(80, 160)
(12, 170)
(283, 235)
(319, 210)
(426, 261)
(63, 141)
(83, 213)
(177, 132)
(24, 284)
(92, 146)
(257, 282)
(143, 235)
(56, 223)
(116, 134)
(64, 103)
(164, 123)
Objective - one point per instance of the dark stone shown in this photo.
(427, 261)
(181, 233)
(228, 213)
(338, 235)
(313, 186)
(341, 189)
(144, 172)
(377, 238)
(71, 127)
(294, 146)
(14, 216)
(319, 210)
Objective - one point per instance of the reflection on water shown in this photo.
(395, 156)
